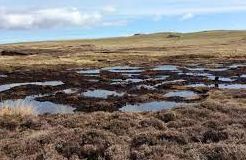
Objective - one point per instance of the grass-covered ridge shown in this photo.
(133, 49)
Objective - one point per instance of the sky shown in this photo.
(35, 20)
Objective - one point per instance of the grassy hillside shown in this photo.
(134, 49)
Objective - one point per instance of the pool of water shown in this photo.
(225, 79)
(93, 80)
(237, 66)
(70, 91)
(159, 78)
(222, 86)
(3, 76)
(123, 69)
(218, 69)
(166, 68)
(183, 94)
(92, 75)
(39, 107)
(149, 106)
(232, 86)
(243, 76)
(100, 93)
(6, 87)
(207, 69)
(115, 69)
(196, 74)
(197, 85)
(149, 87)
(89, 71)
(126, 81)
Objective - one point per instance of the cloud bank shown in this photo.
(46, 18)
(110, 13)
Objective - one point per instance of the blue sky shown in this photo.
(34, 20)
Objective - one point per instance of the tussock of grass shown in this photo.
(18, 110)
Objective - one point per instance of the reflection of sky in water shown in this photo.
(123, 69)
(90, 71)
(3, 76)
(184, 94)
(222, 86)
(126, 81)
(166, 68)
(145, 87)
(70, 90)
(149, 106)
(47, 83)
(160, 77)
(225, 79)
(243, 76)
(39, 107)
(232, 86)
(99, 93)
(237, 66)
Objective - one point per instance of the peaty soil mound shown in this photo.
(13, 53)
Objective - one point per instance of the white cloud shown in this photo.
(46, 18)
(105, 13)
(109, 9)
(187, 16)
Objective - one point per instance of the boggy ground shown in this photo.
(213, 129)
(178, 76)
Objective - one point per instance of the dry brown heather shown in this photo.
(129, 50)
(213, 129)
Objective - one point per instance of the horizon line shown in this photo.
(122, 36)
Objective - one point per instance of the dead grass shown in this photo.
(17, 110)
(209, 130)
(132, 50)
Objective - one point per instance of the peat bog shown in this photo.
(119, 88)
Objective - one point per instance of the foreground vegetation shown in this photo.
(213, 129)
(17, 110)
